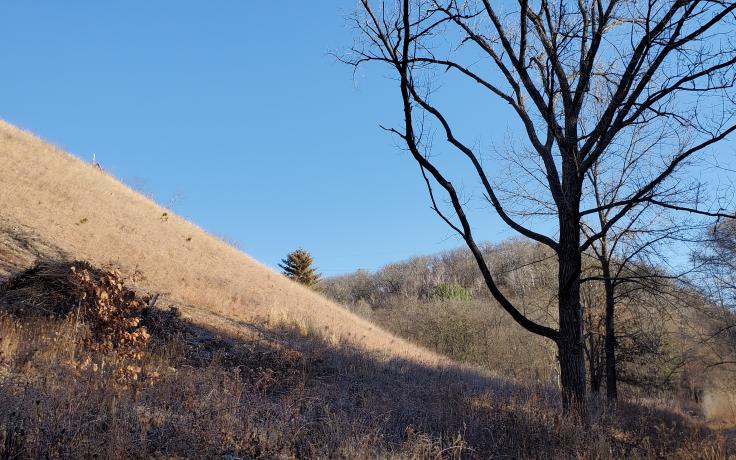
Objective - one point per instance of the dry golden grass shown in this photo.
(59, 204)
(284, 393)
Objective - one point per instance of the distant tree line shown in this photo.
(663, 341)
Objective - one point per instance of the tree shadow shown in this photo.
(461, 411)
(21, 246)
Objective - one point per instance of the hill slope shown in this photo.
(55, 204)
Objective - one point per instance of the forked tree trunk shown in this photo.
(570, 343)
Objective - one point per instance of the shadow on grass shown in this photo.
(283, 392)
(20, 247)
(428, 411)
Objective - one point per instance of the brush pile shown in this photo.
(98, 299)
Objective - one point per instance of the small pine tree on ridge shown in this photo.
(298, 266)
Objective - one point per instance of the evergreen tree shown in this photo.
(298, 267)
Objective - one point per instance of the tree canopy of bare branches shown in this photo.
(582, 79)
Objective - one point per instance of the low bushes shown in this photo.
(449, 291)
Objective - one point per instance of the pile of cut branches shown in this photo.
(79, 291)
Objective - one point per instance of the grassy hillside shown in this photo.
(256, 367)
(56, 204)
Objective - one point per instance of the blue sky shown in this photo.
(233, 112)
(237, 116)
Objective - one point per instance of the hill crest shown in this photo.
(56, 204)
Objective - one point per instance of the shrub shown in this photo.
(449, 291)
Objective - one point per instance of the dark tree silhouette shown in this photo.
(580, 77)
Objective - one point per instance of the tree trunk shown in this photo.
(610, 341)
(593, 351)
(595, 380)
(570, 343)
(594, 368)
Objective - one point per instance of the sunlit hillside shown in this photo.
(56, 204)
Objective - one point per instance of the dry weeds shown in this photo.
(281, 394)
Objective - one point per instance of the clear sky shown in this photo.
(235, 114)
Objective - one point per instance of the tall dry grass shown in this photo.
(286, 392)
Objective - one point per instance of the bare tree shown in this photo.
(717, 260)
(580, 77)
(629, 252)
